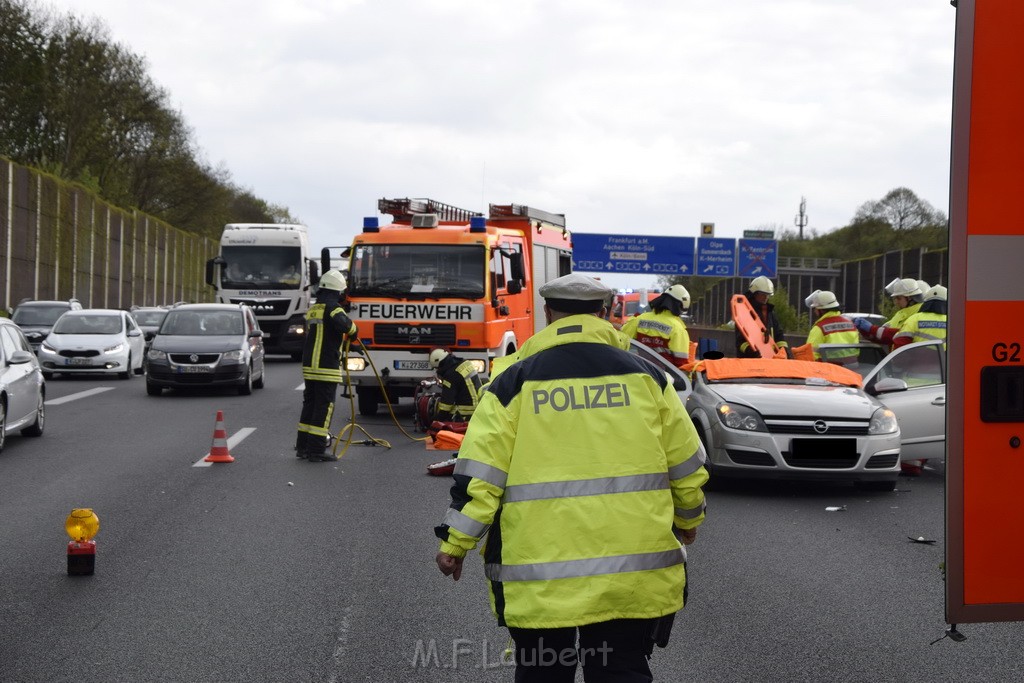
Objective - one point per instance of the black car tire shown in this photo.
(153, 389)
(245, 388)
(129, 372)
(368, 398)
(3, 425)
(47, 375)
(36, 428)
(258, 384)
(880, 486)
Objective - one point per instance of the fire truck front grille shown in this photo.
(268, 307)
(389, 334)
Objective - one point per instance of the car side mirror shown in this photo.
(256, 333)
(888, 386)
(134, 333)
(19, 357)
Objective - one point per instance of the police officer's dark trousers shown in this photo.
(609, 652)
(315, 419)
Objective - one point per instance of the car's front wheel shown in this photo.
(153, 389)
(3, 425)
(36, 428)
(261, 382)
(127, 374)
(245, 388)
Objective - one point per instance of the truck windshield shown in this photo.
(261, 267)
(418, 271)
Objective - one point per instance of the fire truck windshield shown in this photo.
(263, 267)
(417, 271)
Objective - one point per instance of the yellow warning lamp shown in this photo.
(82, 525)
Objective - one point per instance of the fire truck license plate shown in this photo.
(412, 365)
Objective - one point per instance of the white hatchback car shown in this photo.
(93, 340)
(22, 390)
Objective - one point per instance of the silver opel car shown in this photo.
(790, 419)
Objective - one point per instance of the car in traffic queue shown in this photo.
(148, 319)
(793, 419)
(36, 318)
(206, 345)
(93, 340)
(22, 388)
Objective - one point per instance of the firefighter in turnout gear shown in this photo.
(831, 327)
(460, 386)
(758, 293)
(907, 296)
(662, 329)
(327, 325)
(581, 473)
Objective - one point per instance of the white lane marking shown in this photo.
(75, 397)
(233, 441)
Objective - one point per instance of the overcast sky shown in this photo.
(628, 116)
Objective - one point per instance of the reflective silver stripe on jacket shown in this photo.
(692, 513)
(478, 470)
(586, 487)
(467, 525)
(688, 466)
(570, 569)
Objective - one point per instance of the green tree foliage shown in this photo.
(83, 107)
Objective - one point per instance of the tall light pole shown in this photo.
(801, 218)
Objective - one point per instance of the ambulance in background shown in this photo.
(267, 267)
(440, 276)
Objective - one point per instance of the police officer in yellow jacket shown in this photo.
(327, 325)
(662, 328)
(582, 474)
(460, 386)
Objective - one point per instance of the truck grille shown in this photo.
(390, 334)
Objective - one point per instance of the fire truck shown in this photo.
(440, 276)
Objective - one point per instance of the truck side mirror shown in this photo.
(515, 262)
(314, 273)
(215, 261)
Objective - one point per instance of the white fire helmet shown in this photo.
(436, 356)
(822, 299)
(762, 283)
(679, 293)
(333, 279)
(903, 287)
(936, 292)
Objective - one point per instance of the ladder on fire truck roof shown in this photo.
(403, 209)
(520, 211)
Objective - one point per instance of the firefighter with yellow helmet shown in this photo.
(907, 296)
(460, 386)
(580, 534)
(327, 325)
(928, 323)
(662, 328)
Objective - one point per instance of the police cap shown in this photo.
(575, 293)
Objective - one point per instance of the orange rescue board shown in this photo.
(750, 325)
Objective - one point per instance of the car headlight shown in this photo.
(155, 354)
(47, 347)
(233, 355)
(478, 365)
(740, 417)
(883, 421)
(296, 329)
(355, 364)
(114, 349)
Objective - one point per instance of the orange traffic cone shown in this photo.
(219, 449)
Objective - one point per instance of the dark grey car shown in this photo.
(36, 318)
(206, 345)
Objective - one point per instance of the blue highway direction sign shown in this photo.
(716, 257)
(641, 254)
(758, 257)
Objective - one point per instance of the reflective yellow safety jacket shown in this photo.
(834, 328)
(577, 464)
(922, 326)
(663, 332)
(326, 327)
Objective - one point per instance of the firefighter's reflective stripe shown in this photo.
(549, 571)
(478, 470)
(467, 525)
(924, 327)
(322, 358)
(586, 487)
(540, 458)
(319, 430)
